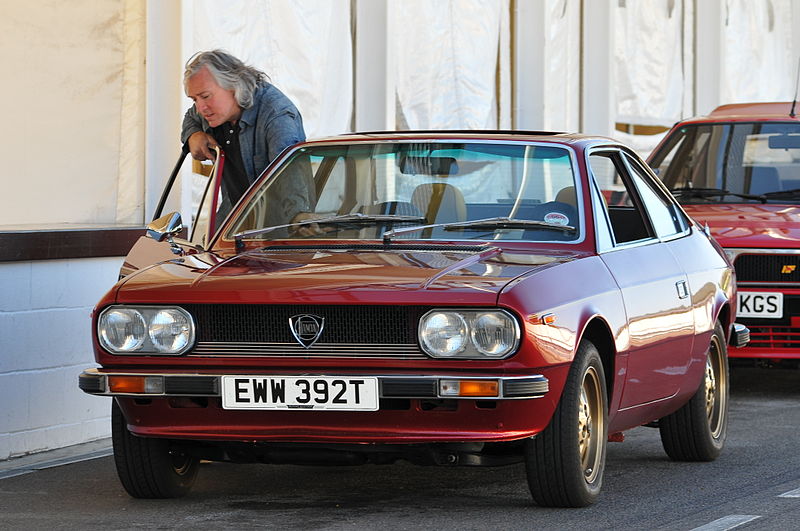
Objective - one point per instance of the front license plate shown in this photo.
(341, 393)
(764, 304)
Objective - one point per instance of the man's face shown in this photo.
(214, 103)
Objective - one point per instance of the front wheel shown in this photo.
(147, 467)
(565, 463)
(697, 431)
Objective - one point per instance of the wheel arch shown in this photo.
(724, 316)
(599, 334)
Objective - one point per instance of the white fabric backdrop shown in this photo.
(757, 56)
(647, 49)
(74, 112)
(562, 63)
(304, 46)
(453, 63)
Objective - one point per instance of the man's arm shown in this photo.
(201, 144)
(284, 130)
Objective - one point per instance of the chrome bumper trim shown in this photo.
(740, 335)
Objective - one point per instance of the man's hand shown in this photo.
(311, 229)
(201, 146)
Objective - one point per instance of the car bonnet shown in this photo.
(386, 275)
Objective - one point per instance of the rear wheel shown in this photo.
(697, 431)
(565, 463)
(147, 467)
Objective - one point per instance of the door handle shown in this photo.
(683, 289)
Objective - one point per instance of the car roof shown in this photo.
(749, 112)
(575, 139)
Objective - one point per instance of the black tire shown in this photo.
(565, 463)
(145, 466)
(697, 431)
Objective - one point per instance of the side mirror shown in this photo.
(166, 228)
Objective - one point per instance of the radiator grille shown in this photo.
(768, 268)
(776, 333)
(348, 331)
(777, 337)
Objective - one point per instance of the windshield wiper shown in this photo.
(488, 223)
(711, 192)
(794, 192)
(344, 219)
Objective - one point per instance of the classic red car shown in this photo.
(737, 170)
(447, 298)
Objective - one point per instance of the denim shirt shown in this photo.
(270, 125)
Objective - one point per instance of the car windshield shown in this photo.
(362, 191)
(732, 163)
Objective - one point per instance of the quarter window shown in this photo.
(628, 223)
(663, 214)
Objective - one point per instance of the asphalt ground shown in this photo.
(755, 484)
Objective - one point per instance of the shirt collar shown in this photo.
(250, 114)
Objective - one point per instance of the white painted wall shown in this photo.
(45, 337)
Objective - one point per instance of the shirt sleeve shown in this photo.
(284, 130)
(192, 123)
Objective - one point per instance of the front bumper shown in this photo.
(96, 382)
(740, 335)
(411, 410)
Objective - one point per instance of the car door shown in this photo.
(200, 197)
(653, 284)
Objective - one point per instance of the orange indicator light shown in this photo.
(479, 388)
(149, 385)
(126, 384)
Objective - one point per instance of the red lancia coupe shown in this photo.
(446, 298)
(738, 172)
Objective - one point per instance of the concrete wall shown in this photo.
(45, 337)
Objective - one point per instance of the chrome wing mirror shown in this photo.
(166, 228)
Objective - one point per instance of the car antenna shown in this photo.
(794, 101)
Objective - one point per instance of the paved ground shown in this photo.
(755, 484)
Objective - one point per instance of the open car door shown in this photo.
(166, 236)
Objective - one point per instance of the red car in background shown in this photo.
(737, 171)
(446, 298)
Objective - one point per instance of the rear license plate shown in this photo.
(763, 304)
(341, 393)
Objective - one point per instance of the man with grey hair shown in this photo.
(236, 108)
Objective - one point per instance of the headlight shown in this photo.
(472, 334)
(444, 334)
(145, 330)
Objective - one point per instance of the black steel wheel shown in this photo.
(565, 463)
(147, 467)
(697, 431)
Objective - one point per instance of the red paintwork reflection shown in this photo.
(751, 225)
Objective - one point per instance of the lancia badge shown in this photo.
(306, 328)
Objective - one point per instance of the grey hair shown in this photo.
(229, 72)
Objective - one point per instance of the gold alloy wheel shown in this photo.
(181, 462)
(716, 386)
(590, 424)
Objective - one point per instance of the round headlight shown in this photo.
(493, 334)
(122, 330)
(443, 333)
(169, 331)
